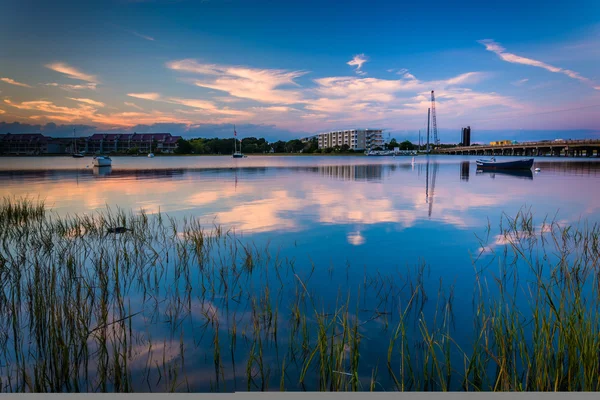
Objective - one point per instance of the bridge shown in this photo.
(556, 148)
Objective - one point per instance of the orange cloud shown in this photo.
(145, 96)
(13, 82)
(88, 101)
(71, 72)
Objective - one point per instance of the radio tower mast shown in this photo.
(436, 140)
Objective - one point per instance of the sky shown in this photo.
(288, 69)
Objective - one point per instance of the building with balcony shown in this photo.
(356, 139)
(123, 142)
(30, 144)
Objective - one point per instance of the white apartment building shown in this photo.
(357, 139)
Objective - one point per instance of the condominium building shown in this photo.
(122, 142)
(36, 143)
(356, 139)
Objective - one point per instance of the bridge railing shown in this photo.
(533, 143)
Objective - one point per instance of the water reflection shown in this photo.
(307, 198)
(465, 167)
(521, 174)
(430, 193)
(102, 171)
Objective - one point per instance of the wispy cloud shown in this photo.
(358, 61)
(207, 107)
(61, 113)
(494, 47)
(71, 72)
(90, 86)
(520, 82)
(145, 96)
(128, 104)
(88, 101)
(142, 36)
(261, 85)
(2, 111)
(13, 82)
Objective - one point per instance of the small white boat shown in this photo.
(537, 170)
(150, 155)
(102, 161)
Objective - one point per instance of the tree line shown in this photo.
(252, 145)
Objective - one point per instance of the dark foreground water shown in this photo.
(336, 219)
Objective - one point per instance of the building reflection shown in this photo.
(354, 172)
(464, 170)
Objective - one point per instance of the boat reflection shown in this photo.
(102, 171)
(521, 174)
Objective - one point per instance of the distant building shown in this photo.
(308, 138)
(501, 143)
(29, 144)
(123, 142)
(36, 143)
(356, 139)
(466, 136)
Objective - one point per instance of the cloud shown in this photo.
(2, 111)
(260, 85)
(520, 82)
(358, 62)
(355, 238)
(13, 82)
(71, 72)
(88, 101)
(90, 86)
(143, 36)
(494, 47)
(207, 107)
(133, 105)
(145, 96)
(462, 79)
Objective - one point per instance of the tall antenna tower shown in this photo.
(428, 120)
(436, 140)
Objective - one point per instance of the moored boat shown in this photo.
(237, 153)
(515, 164)
(102, 161)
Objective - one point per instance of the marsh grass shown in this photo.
(171, 306)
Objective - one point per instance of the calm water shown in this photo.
(358, 203)
(354, 214)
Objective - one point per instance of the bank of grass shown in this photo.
(83, 310)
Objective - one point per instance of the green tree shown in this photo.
(407, 145)
(183, 147)
(392, 144)
(345, 148)
(133, 150)
(279, 146)
(294, 146)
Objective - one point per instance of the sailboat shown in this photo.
(75, 153)
(237, 153)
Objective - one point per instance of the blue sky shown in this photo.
(286, 69)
